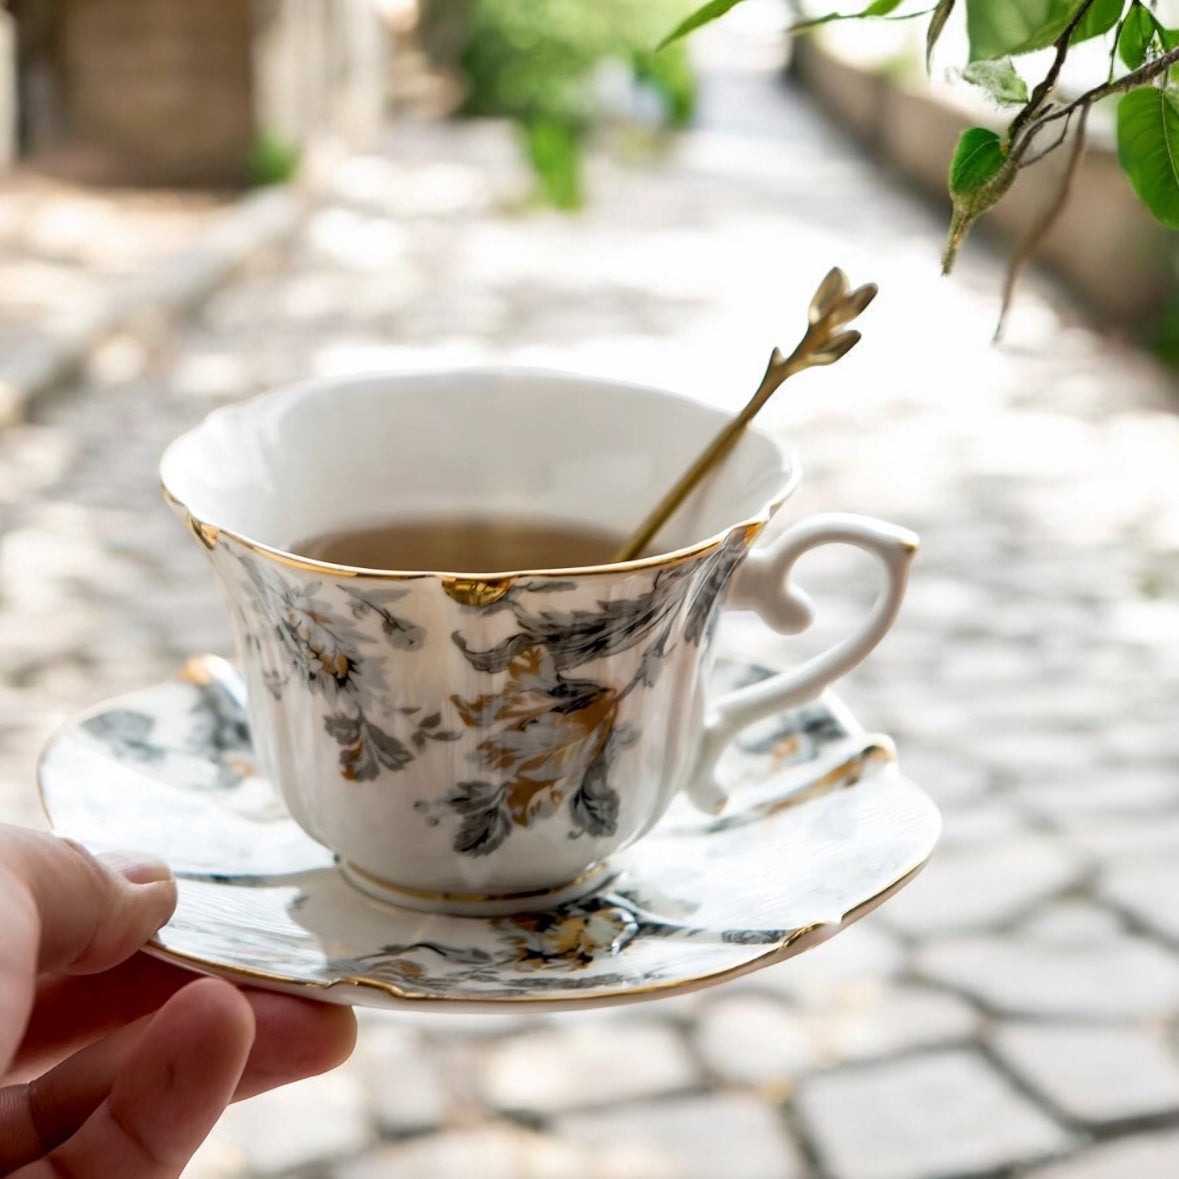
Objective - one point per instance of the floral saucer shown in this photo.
(823, 826)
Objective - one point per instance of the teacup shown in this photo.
(482, 743)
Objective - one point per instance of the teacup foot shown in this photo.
(474, 904)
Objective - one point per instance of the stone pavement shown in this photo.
(64, 249)
(1013, 1012)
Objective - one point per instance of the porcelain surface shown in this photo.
(462, 739)
(822, 826)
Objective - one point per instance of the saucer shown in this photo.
(822, 827)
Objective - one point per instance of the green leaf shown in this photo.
(1138, 32)
(980, 174)
(1148, 149)
(999, 79)
(876, 8)
(937, 23)
(1000, 27)
(704, 15)
(979, 157)
(1100, 18)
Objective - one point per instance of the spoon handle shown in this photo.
(710, 456)
(823, 343)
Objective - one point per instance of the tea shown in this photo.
(465, 544)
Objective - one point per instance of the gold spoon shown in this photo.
(833, 306)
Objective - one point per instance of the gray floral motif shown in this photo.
(595, 803)
(574, 637)
(797, 735)
(548, 738)
(323, 650)
(221, 733)
(566, 940)
(127, 733)
(708, 595)
(553, 738)
(218, 734)
(402, 635)
(552, 947)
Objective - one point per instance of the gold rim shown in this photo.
(876, 747)
(471, 898)
(786, 948)
(210, 535)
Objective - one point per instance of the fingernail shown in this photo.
(137, 867)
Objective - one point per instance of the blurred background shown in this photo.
(201, 199)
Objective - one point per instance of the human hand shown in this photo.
(111, 1062)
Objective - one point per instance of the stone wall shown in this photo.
(1105, 244)
(164, 88)
(178, 92)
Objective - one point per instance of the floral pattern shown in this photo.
(548, 736)
(551, 736)
(218, 735)
(566, 940)
(545, 736)
(328, 654)
(128, 734)
(699, 899)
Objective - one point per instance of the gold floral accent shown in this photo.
(571, 937)
(547, 737)
(472, 591)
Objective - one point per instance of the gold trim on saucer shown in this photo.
(851, 769)
(786, 948)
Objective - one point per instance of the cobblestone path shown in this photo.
(1013, 1012)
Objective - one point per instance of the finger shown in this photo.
(18, 966)
(293, 1039)
(70, 1012)
(40, 1115)
(63, 910)
(172, 1088)
(93, 913)
(296, 1038)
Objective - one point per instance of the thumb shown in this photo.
(90, 913)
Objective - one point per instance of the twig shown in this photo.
(1130, 81)
(1048, 82)
(1052, 146)
(1045, 221)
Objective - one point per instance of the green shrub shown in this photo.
(534, 61)
(272, 160)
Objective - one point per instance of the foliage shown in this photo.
(272, 160)
(1142, 51)
(537, 64)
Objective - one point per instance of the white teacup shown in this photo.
(482, 743)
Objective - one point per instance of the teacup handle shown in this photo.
(763, 584)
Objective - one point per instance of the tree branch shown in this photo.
(1048, 83)
(1042, 224)
(1051, 147)
(1130, 81)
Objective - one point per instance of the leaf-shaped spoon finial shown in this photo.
(833, 306)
